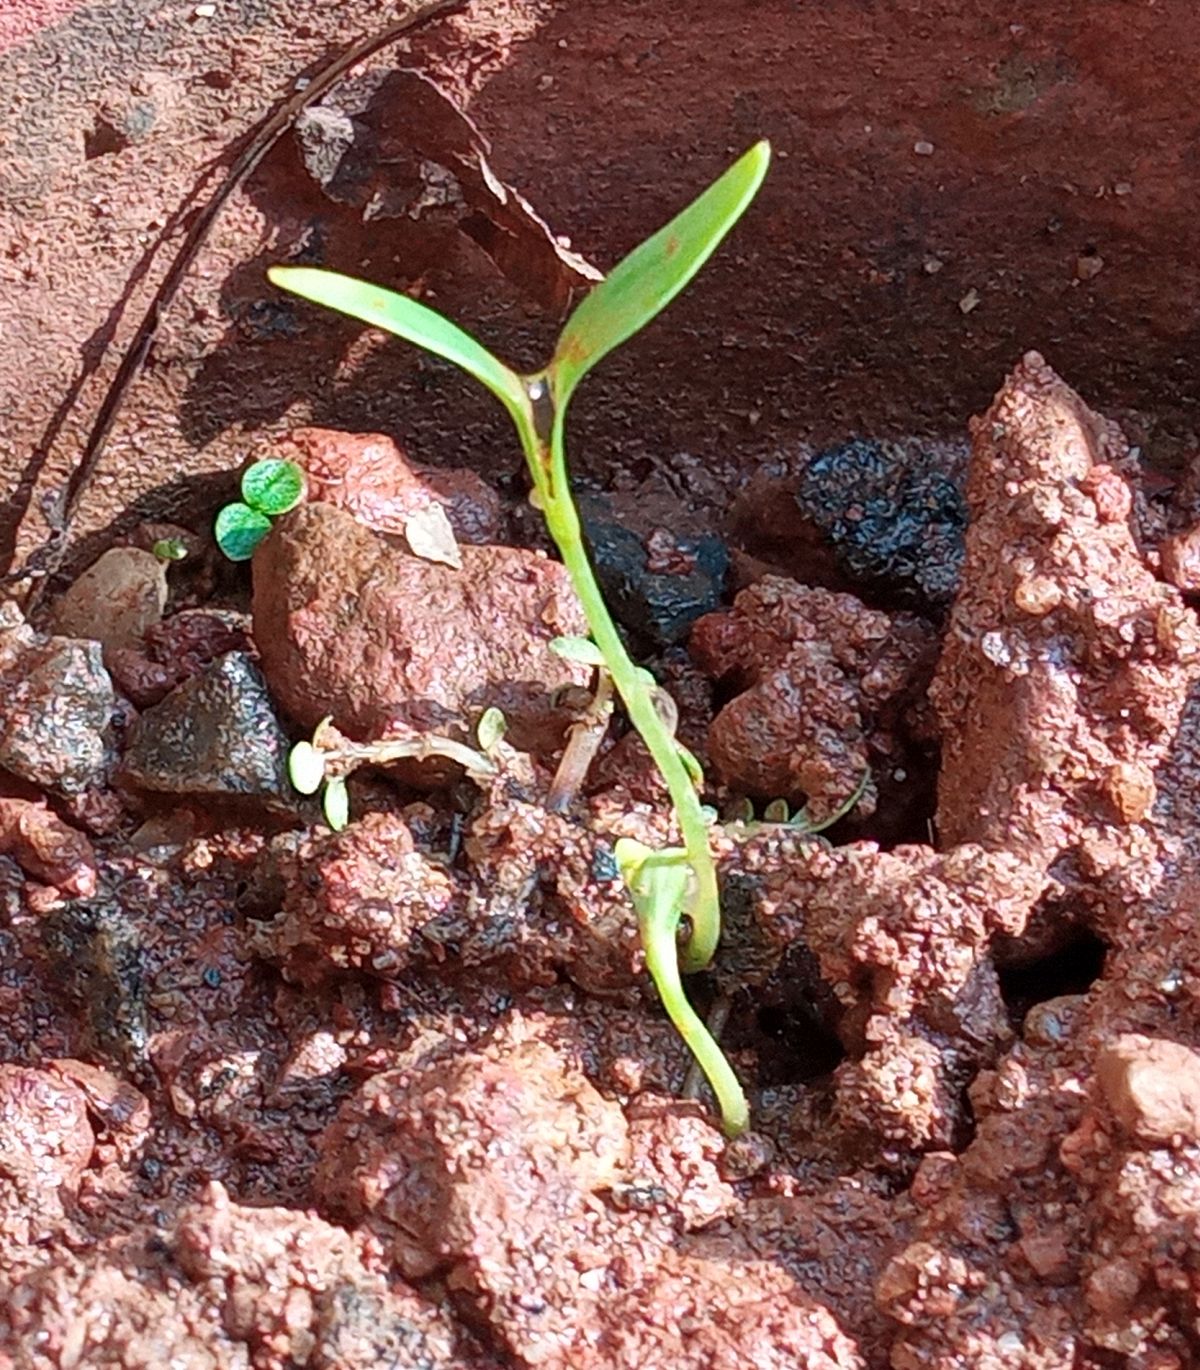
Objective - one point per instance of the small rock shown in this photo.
(507, 1137)
(969, 301)
(175, 650)
(367, 475)
(822, 679)
(46, 848)
(115, 600)
(1152, 1087)
(217, 734)
(1181, 560)
(894, 524)
(98, 962)
(116, 1104)
(1048, 1255)
(1131, 791)
(656, 585)
(325, 135)
(351, 625)
(45, 1137)
(55, 704)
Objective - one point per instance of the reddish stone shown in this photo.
(349, 625)
(824, 680)
(1181, 559)
(44, 846)
(1152, 1087)
(367, 475)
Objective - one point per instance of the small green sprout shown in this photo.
(306, 767)
(169, 549)
(777, 812)
(329, 758)
(269, 488)
(667, 887)
(490, 730)
(581, 650)
(335, 803)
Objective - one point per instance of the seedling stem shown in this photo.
(667, 886)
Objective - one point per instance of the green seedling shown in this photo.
(325, 762)
(777, 812)
(169, 549)
(269, 488)
(680, 884)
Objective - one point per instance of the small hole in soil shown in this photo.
(794, 1046)
(103, 138)
(1071, 969)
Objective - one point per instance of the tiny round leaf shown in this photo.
(306, 767)
(239, 529)
(336, 803)
(273, 486)
(492, 727)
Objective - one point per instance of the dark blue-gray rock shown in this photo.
(656, 592)
(56, 703)
(97, 959)
(895, 525)
(216, 734)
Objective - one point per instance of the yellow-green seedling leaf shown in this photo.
(581, 650)
(491, 728)
(239, 529)
(273, 486)
(776, 811)
(652, 275)
(169, 549)
(306, 767)
(408, 319)
(336, 804)
(657, 879)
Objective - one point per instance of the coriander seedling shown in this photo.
(666, 886)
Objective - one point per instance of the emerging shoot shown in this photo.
(269, 488)
(679, 883)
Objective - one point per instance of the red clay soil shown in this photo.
(24, 19)
(274, 1096)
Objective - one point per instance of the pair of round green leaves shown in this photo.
(269, 488)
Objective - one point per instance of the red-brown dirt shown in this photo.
(273, 1096)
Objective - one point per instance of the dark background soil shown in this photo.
(1058, 135)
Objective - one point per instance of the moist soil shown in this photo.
(273, 1095)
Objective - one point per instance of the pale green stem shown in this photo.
(661, 961)
(542, 439)
(562, 521)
